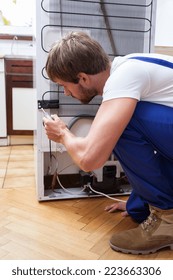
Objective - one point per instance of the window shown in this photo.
(16, 14)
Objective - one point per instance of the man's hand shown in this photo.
(54, 128)
(117, 206)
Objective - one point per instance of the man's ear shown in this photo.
(84, 79)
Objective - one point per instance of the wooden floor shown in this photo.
(77, 229)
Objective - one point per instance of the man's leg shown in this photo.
(137, 208)
(145, 152)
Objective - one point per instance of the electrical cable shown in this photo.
(84, 188)
(66, 190)
(51, 155)
(103, 194)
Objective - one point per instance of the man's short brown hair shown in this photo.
(76, 52)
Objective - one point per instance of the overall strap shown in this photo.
(154, 60)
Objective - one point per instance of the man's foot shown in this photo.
(155, 233)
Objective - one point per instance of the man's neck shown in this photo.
(100, 79)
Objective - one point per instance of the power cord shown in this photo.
(66, 190)
(87, 186)
(108, 196)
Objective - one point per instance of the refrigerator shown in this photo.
(121, 27)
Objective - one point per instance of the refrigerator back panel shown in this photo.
(121, 28)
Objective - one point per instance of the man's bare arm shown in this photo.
(92, 151)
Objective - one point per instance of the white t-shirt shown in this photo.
(140, 80)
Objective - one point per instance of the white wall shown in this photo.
(164, 23)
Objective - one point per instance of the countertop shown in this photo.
(18, 56)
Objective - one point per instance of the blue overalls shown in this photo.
(145, 151)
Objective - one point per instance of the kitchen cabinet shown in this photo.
(20, 96)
